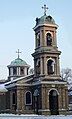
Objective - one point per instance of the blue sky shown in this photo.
(17, 19)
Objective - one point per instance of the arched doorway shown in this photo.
(53, 102)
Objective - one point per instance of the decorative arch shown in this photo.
(49, 39)
(53, 89)
(28, 98)
(50, 66)
(51, 59)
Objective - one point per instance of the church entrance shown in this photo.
(53, 102)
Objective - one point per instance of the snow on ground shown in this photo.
(12, 116)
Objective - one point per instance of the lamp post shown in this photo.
(36, 94)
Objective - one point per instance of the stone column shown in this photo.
(19, 100)
(25, 71)
(45, 66)
(40, 38)
(23, 100)
(11, 71)
(55, 39)
(60, 100)
(44, 37)
(17, 71)
(41, 65)
(58, 66)
(55, 68)
(10, 100)
(47, 98)
(64, 98)
(43, 98)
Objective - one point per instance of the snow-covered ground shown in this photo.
(12, 116)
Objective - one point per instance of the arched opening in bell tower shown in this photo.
(53, 102)
(38, 39)
(49, 39)
(50, 66)
(38, 66)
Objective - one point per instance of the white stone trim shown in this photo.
(40, 110)
(51, 59)
(51, 25)
(18, 79)
(53, 89)
(30, 95)
(43, 82)
(52, 82)
(62, 109)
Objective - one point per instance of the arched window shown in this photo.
(38, 66)
(28, 98)
(49, 39)
(50, 66)
(38, 39)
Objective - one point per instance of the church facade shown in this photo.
(42, 92)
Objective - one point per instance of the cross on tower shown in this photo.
(18, 52)
(45, 9)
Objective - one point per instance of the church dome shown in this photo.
(45, 20)
(18, 62)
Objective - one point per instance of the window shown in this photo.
(21, 70)
(49, 39)
(28, 98)
(14, 71)
(38, 39)
(50, 66)
(38, 66)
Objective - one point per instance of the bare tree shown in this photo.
(66, 75)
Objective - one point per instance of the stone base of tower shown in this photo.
(48, 112)
(53, 98)
(62, 112)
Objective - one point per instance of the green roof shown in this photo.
(45, 19)
(18, 62)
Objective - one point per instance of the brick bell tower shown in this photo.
(52, 90)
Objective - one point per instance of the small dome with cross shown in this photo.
(45, 20)
(17, 68)
(18, 62)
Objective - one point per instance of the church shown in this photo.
(43, 92)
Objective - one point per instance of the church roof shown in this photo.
(18, 62)
(45, 20)
(2, 88)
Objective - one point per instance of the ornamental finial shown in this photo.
(18, 53)
(45, 9)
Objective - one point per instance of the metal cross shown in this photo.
(18, 52)
(45, 9)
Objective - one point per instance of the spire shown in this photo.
(45, 9)
(18, 53)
